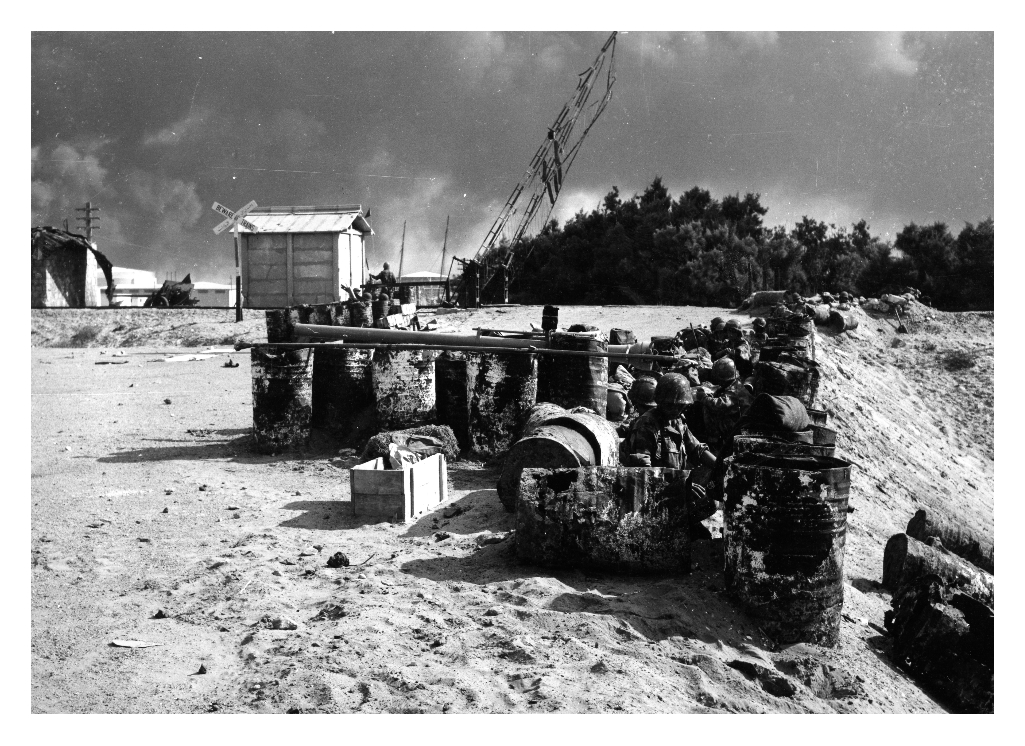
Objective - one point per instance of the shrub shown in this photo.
(84, 336)
(959, 360)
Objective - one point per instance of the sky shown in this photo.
(153, 127)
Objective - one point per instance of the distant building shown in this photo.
(214, 295)
(302, 254)
(63, 267)
(133, 286)
(426, 295)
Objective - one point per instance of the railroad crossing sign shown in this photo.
(234, 219)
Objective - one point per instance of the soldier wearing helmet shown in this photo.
(660, 437)
(760, 336)
(734, 346)
(642, 398)
(386, 276)
(642, 394)
(723, 408)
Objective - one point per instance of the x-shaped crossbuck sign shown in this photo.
(234, 219)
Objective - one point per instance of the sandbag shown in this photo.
(770, 412)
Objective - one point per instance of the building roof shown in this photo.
(308, 219)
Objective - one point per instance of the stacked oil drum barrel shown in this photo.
(785, 496)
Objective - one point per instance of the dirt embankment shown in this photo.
(438, 616)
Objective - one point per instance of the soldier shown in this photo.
(361, 312)
(642, 398)
(736, 348)
(724, 407)
(660, 437)
(760, 336)
(386, 276)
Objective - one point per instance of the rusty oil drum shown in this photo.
(580, 381)
(784, 531)
(282, 398)
(770, 446)
(842, 322)
(341, 386)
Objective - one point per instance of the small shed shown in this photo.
(64, 266)
(302, 254)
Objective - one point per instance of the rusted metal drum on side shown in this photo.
(842, 322)
(578, 381)
(341, 386)
(282, 398)
(770, 446)
(784, 531)
(820, 314)
(554, 438)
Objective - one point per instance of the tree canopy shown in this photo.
(699, 250)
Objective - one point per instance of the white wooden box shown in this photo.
(398, 495)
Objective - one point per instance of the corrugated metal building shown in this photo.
(302, 254)
(63, 267)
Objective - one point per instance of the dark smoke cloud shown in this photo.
(153, 127)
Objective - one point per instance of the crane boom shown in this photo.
(544, 178)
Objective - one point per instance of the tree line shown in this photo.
(698, 250)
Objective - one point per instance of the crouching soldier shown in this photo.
(724, 407)
(660, 437)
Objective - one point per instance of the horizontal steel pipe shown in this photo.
(398, 336)
(432, 339)
(525, 350)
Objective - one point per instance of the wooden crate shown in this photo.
(398, 495)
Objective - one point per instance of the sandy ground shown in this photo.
(420, 622)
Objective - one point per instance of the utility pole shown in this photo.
(402, 248)
(444, 245)
(89, 220)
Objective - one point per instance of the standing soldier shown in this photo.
(387, 278)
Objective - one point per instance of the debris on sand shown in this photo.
(338, 559)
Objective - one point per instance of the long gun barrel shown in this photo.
(442, 340)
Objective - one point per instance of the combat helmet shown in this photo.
(642, 392)
(724, 371)
(759, 323)
(733, 325)
(673, 388)
(717, 324)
